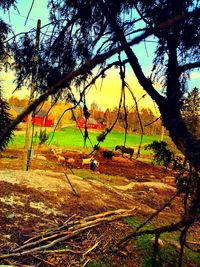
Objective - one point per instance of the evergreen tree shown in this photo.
(191, 110)
(5, 120)
(5, 117)
(4, 30)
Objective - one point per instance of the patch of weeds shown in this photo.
(104, 262)
(144, 248)
(85, 174)
(169, 255)
(144, 245)
(102, 178)
(192, 256)
(134, 222)
(173, 236)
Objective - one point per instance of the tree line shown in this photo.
(152, 124)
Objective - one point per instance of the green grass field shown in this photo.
(71, 138)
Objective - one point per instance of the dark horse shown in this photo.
(126, 150)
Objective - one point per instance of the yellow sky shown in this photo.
(8, 86)
(105, 96)
(108, 95)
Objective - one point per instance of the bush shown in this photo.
(162, 154)
(43, 137)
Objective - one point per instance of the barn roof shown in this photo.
(89, 121)
(42, 113)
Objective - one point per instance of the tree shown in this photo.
(191, 111)
(14, 101)
(5, 116)
(88, 33)
(5, 120)
(5, 29)
(147, 118)
(94, 109)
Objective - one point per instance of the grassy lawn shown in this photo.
(72, 138)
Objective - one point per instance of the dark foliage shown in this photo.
(3, 34)
(191, 111)
(43, 137)
(4, 30)
(162, 154)
(5, 120)
(154, 13)
(5, 4)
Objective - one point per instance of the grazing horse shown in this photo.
(126, 150)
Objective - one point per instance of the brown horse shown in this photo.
(126, 150)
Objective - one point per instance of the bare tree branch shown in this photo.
(29, 12)
(189, 66)
(168, 228)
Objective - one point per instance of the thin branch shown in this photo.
(152, 122)
(61, 116)
(115, 121)
(139, 118)
(29, 12)
(145, 83)
(140, 13)
(167, 204)
(192, 249)
(168, 228)
(122, 76)
(30, 31)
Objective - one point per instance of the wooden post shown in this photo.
(162, 133)
(28, 149)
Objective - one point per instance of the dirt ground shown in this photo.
(42, 198)
(131, 169)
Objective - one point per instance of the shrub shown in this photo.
(162, 154)
(43, 137)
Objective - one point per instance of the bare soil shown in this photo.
(42, 198)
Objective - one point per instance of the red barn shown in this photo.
(41, 118)
(91, 124)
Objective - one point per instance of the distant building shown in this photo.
(91, 124)
(40, 118)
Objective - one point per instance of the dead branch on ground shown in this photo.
(70, 229)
